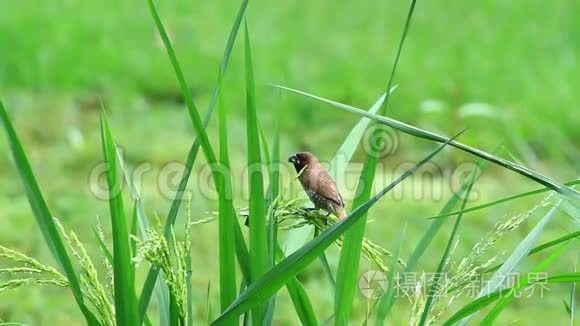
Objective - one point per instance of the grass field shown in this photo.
(507, 71)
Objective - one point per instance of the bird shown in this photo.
(318, 184)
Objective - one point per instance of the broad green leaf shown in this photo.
(124, 283)
(276, 277)
(43, 216)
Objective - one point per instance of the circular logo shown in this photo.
(380, 141)
(373, 284)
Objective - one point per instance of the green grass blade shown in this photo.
(301, 302)
(103, 246)
(347, 274)
(573, 294)
(484, 301)
(564, 278)
(125, 303)
(242, 253)
(258, 239)
(264, 143)
(209, 309)
(42, 214)
(398, 56)
(174, 319)
(226, 217)
(299, 297)
(475, 306)
(326, 268)
(109, 257)
(436, 225)
(433, 288)
(188, 98)
(276, 277)
(273, 193)
(385, 303)
(274, 164)
(350, 254)
(505, 299)
(134, 222)
(542, 247)
(572, 195)
(567, 306)
(432, 231)
(132, 241)
(153, 274)
(503, 200)
(346, 151)
(161, 289)
(227, 54)
(517, 256)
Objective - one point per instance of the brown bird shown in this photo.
(318, 184)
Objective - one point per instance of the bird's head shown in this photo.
(302, 159)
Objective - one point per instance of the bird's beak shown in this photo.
(294, 159)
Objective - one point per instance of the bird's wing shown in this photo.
(325, 186)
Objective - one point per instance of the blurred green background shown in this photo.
(507, 70)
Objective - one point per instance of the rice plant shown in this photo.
(254, 262)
